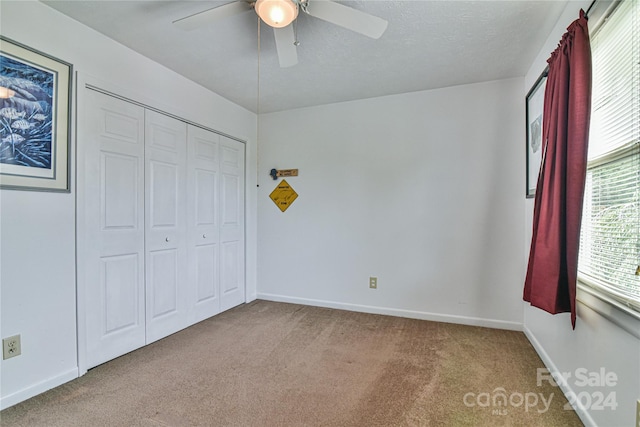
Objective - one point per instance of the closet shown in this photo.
(160, 225)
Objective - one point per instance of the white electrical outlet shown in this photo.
(11, 347)
(373, 282)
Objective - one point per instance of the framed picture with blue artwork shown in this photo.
(35, 131)
(535, 110)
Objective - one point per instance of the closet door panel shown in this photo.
(232, 286)
(119, 191)
(206, 192)
(118, 279)
(163, 273)
(111, 226)
(203, 230)
(206, 273)
(166, 249)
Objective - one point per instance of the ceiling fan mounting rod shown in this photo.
(302, 4)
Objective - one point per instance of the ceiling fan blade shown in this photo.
(285, 44)
(201, 19)
(347, 17)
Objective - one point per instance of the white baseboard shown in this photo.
(422, 315)
(584, 416)
(34, 390)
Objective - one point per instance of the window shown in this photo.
(610, 237)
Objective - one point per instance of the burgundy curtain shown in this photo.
(553, 260)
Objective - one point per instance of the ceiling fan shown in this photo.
(280, 14)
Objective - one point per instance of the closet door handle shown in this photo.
(166, 239)
(204, 236)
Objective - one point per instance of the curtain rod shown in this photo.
(545, 72)
(589, 9)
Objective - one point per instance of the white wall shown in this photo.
(597, 342)
(423, 190)
(38, 293)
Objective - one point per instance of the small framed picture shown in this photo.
(535, 109)
(35, 102)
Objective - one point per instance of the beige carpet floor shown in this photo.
(275, 364)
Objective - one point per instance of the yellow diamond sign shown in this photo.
(283, 195)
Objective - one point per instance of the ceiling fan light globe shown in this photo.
(277, 13)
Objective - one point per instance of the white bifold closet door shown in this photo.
(216, 222)
(111, 251)
(204, 222)
(166, 225)
(232, 280)
(161, 242)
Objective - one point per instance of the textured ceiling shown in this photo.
(427, 45)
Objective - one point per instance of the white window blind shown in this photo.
(610, 237)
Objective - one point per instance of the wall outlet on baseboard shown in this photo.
(11, 347)
(373, 282)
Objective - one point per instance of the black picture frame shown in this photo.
(534, 143)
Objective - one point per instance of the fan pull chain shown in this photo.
(295, 33)
(258, 113)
